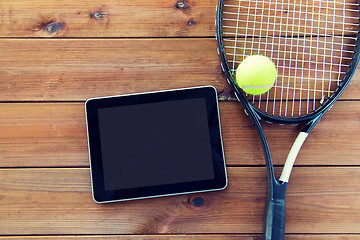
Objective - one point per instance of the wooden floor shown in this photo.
(56, 54)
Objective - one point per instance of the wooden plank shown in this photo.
(327, 144)
(159, 18)
(317, 202)
(111, 18)
(79, 69)
(74, 69)
(54, 134)
(191, 237)
(43, 135)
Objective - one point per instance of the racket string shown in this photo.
(311, 45)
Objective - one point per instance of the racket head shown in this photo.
(316, 52)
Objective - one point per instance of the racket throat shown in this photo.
(285, 175)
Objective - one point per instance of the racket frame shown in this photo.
(274, 224)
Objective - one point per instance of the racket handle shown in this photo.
(274, 227)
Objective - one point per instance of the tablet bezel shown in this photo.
(100, 195)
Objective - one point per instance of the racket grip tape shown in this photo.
(274, 226)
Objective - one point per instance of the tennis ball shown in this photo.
(256, 74)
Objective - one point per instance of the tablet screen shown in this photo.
(155, 144)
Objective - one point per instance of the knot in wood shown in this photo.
(191, 22)
(198, 201)
(52, 27)
(182, 4)
(97, 15)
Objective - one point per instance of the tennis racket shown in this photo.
(315, 46)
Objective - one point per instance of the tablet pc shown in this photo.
(155, 144)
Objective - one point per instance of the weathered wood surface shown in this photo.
(58, 201)
(192, 237)
(111, 18)
(77, 69)
(54, 135)
(56, 54)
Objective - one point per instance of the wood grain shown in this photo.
(54, 134)
(111, 18)
(43, 135)
(58, 201)
(192, 237)
(74, 69)
(79, 69)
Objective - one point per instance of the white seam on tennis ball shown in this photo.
(257, 87)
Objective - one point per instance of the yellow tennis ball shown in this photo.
(256, 74)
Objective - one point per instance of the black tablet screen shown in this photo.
(155, 144)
